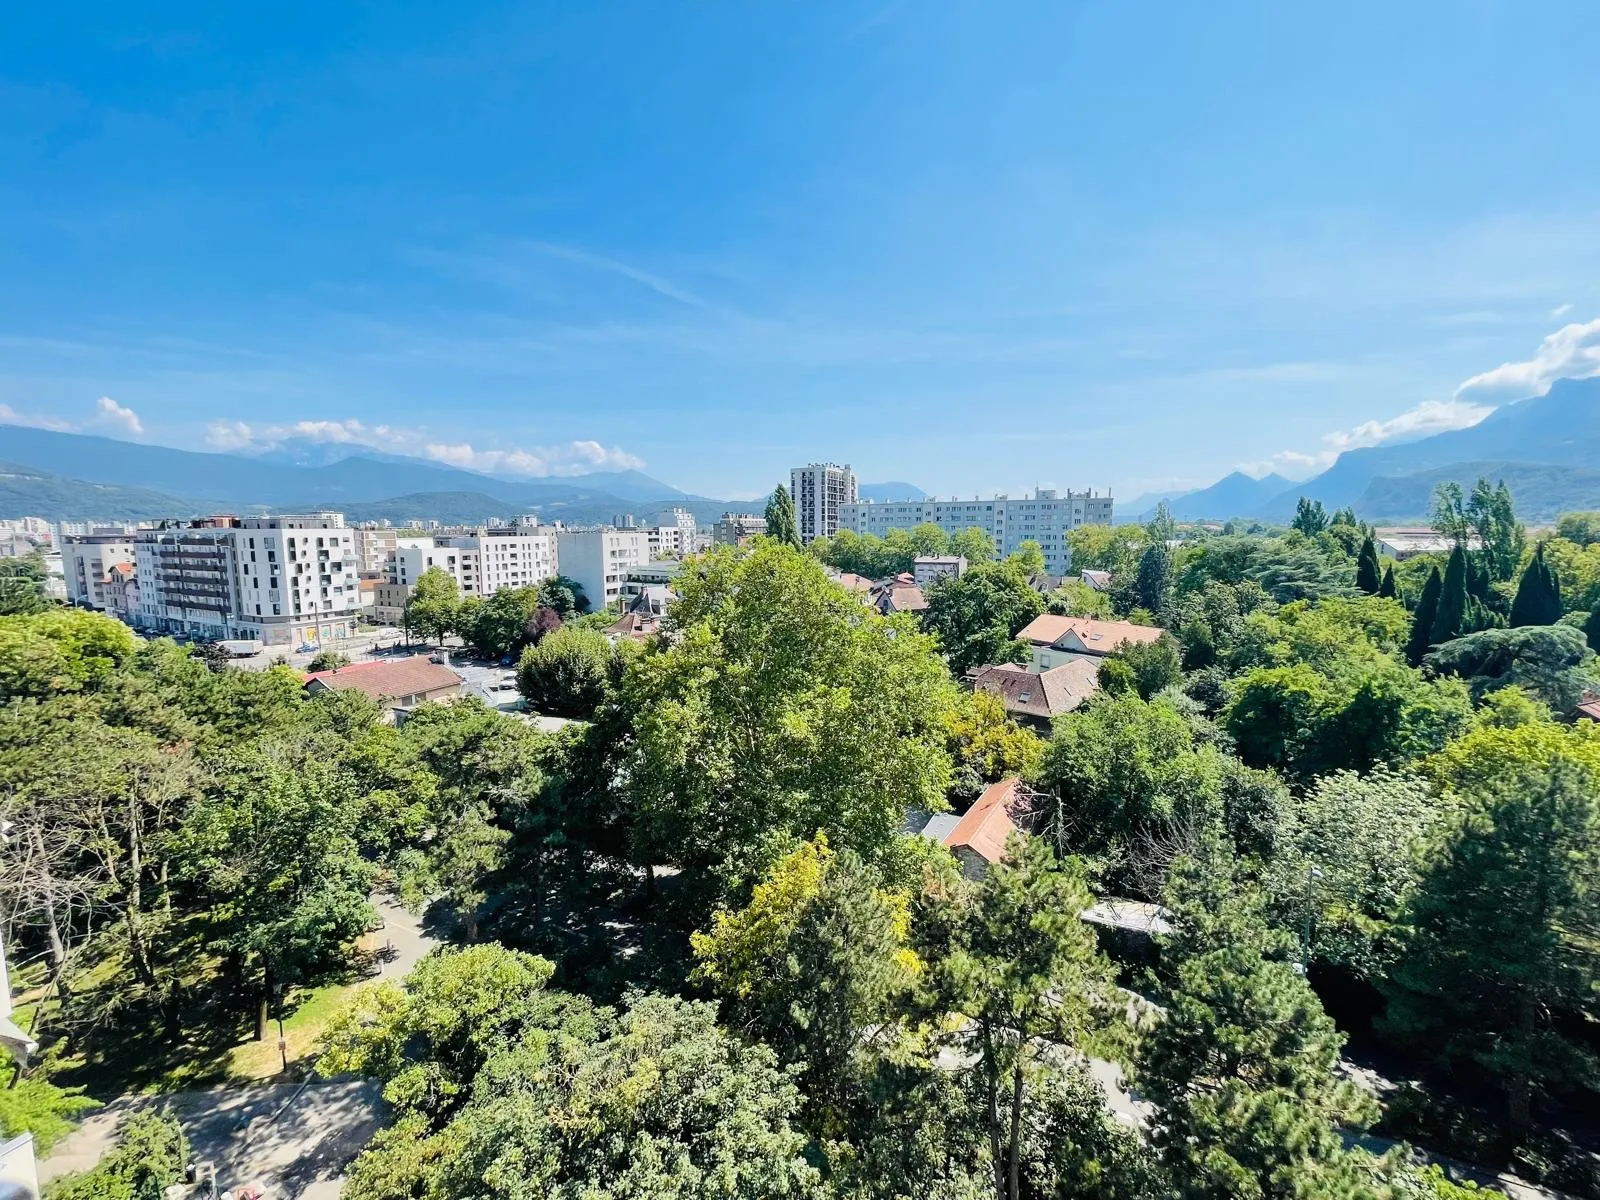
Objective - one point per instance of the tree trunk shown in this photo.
(469, 920)
(1016, 1125)
(261, 1008)
(992, 1086)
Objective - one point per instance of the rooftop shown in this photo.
(1039, 694)
(987, 824)
(389, 680)
(1095, 637)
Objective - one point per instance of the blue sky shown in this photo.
(974, 246)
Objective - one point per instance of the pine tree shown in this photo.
(1538, 599)
(1242, 1065)
(1367, 577)
(1389, 589)
(1422, 620)
(1310, 518)
(780, 518)
(1450, 621)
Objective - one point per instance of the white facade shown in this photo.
(930, 570)
(1045, 517)
(481, 563)
(673, 535)
(600, 560)
(374, 548)
(278, 580)
(86, 562)
(820, 491)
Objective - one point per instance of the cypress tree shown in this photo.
(1367, 577)
(1450, 621)
(780, 518)
(1538, 599)
(1422, 620)
(1591, 630)
(1389, 589)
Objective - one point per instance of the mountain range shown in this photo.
(75, 476)
(1546, 448)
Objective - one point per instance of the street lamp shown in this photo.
(1313, 874)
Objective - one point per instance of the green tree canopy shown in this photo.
(780, 706)
(1538, 599)
(977, 616)
(569, 673)
(780, 518)
(434, 603)
(1551, 662)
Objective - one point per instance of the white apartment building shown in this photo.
(1045, 517)
(819, 492)
(87, 560)
(482, 562)
(281, 580)
(601, 559)
(374, 548)
(673, 535)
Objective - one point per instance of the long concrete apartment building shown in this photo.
(1045, 517)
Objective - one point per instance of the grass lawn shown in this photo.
(313, 1009)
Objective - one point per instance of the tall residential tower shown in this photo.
(818, 492)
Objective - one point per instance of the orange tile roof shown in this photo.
(988, 823)
(391, 680)
(1098, 637)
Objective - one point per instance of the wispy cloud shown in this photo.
(108, 415)
(1561, 310)
(1571, 352)
(566, 458)
(613, 266)
(1429, 417)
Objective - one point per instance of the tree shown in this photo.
(1359, 842)
(61, 650)
(432, 606)
(1538, 599)
(1500, 935)
(1582, 528)
(540, 625)
(568, 674)
(150, 1156)
(1591, 629)
(327, 660)
(1154, 666)
(750, 728)
(1552, 662)
(1026, 972)
(974, 545)
(816, 966)
(1368, 578)
(23, 581)
(976, 617)
(500, 626)
(1423, 617)
(504, 1090)
(273, 843)
(1389, 589)
(1459, 611)
(1450, 517)
(1494, 517)
(1241, 1065)
(1310, 518)
(564, 595)
(780, 518)
(1028, 558)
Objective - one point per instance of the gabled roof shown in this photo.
(855, 583)
(380, 680)
(988, 823)
(1085, 634)
(1098, 580)
(635, 625)
(898, 593)
(1039, 694)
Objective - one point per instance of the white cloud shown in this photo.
(1561, 310)
(572, 458)
(107, 413)
(118, 416)
(1429, 417)
(1571, 352)
(10, 416)
(230, 435)
(568, 458)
